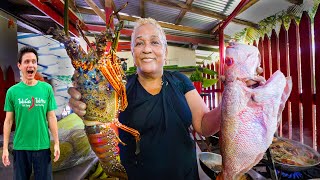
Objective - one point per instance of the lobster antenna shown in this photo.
(118, 27)
(66, 17)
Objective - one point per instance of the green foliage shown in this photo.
(248, 35)
(133, 70)
(197, 76)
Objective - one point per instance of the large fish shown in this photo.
(250, 116)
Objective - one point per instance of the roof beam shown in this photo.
(162, 24)
(102, 3)
(29, 27)
(181, 6)
(183, 12)
(45, 9)
(234, 13)
(72, 5)
(22, 22)
(248, 5)
(174, 38)
(142, 13)
(109, 7)
(296, 2)
(96, 9)
(59, 6)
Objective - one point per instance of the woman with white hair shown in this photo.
(162, 106)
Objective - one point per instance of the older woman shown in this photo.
(162, 105)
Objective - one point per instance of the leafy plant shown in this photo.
(197, 76)
(248, 35)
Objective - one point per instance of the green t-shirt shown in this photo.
(30, 105)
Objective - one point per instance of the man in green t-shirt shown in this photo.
(31, 104)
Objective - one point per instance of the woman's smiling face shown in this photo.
(149, 51)
(28, 66)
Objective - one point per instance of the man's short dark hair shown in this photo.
(24, 50)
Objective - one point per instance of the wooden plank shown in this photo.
(248, 5)
(274, 62)
(108, 11)
(182, 12)
(267, 58)
(162, 24)
(317, 72)
(128, 32)
(255, 43)
(274, 52)
(142, 11)
(284, 60)
(59, 6)
(293, 35)
(261, 50)
(96, 9)
(45, 9)
(306, 73)
(182, 6)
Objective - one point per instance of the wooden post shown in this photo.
(294, 71)
(317, 72)
(284, 61)
(307, 74)
(267, 58)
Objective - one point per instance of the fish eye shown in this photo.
(229, 61)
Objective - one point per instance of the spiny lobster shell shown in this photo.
(97, 93)
(102, 100)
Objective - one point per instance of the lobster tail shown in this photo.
(103, 141)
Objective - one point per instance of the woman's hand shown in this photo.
(257, 80)
(76, 105)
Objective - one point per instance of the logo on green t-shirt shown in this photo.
(30, 103)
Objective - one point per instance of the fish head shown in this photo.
(241, 62)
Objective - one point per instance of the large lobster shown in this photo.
(101, 81)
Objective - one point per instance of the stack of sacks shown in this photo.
(74, 145)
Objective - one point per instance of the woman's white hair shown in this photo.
(143, 21)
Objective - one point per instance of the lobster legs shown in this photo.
(132, 131)
(103, 141)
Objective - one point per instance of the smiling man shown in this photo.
(31, 104)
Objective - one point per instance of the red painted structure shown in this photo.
(49, 11)
(5, 84)
(293, 51)
(221, 29)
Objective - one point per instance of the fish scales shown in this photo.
(249, 116)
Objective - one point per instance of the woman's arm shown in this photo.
(204, 121)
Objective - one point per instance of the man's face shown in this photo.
(28, 66)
